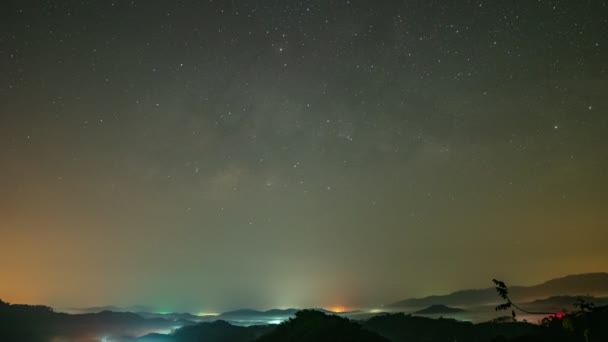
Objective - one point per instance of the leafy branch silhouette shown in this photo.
(583, 305)
(503, 292)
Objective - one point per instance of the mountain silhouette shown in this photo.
(220, 331)
(438, 309)
(29, 323)
(316, 326)
(402, 327)
(595, 284)
(257, 313)
(267, 313)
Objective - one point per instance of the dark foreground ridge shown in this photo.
(25, 323)
(311, 325)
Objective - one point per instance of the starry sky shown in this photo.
(210, 155)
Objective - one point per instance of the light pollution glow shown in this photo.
(285, 158)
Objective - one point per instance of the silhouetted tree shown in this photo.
(503, 292)
(583, 305)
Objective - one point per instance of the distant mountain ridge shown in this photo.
(34, 323)
(113, 308)
(149, 313)
(269, 313)
(253, 312)
(594, 284)
(438, 309)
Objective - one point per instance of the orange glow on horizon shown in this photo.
(337, 309)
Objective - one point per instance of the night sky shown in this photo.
(211, 155)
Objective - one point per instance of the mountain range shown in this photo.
(593, 284)
(26, 323)
(438, 309)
